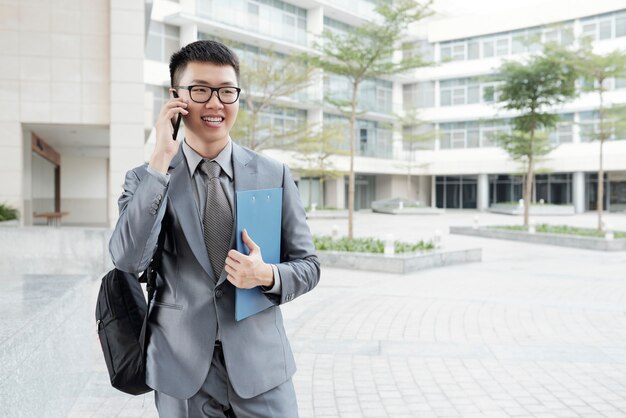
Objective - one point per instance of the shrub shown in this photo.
(367, 245)
(7, 213)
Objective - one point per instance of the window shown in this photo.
(620, 25)
(459, 91)
(419, 95)
(564, 132)
(163, 41)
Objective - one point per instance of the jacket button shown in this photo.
(159, 196)
(218, 293)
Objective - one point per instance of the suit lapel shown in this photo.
(181, 199)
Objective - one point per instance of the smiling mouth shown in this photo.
(213, 119)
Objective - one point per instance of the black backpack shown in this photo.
(121, 321)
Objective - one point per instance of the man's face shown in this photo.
(212, 121)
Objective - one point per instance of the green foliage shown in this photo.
(266, 77)
(532, 89)
(367, 245)
(365, 52)
(563, 230)
(522, 147)
(7, 213)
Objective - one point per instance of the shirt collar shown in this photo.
(224, 158)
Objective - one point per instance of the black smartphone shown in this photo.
(176, 125)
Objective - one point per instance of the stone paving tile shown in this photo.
(530, 331)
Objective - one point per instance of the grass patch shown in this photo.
(368, 245)
(7, 213)
(563, 230)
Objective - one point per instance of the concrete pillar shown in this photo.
(578, 189)
(433, 191)
(127, 96)
(13, 170)
(483, 192)
(335, 193)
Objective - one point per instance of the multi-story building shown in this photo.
(83, 83)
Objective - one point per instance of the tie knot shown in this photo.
(211, 168)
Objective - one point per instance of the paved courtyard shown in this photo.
(532, 330)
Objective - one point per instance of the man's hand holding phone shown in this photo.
(166, 126)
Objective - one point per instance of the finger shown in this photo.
(229, 269)
(236, 256)
(248, 241)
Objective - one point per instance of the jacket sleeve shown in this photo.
(299, 267)
(142, 207)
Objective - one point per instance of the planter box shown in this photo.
(587, 243)
(327, 214)
(535, 210)
(408, 211)
(401, 263)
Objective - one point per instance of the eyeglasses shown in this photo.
(202, 94)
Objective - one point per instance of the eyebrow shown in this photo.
(225, 83)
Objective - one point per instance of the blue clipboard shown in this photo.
(260, 213)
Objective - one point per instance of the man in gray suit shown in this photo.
(200, 361)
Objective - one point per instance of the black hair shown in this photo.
(202, 51)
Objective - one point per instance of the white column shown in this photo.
(433, 191)
(578, 189)
(127, 96)
(483, 192)
(335, 193)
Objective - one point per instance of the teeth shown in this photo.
(212, 119)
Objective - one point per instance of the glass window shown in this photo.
(446, 52)
(473, 94)
(488, 48)
(620, 25)
(519, 43)
(446, 98)
(458, 96)
(458, 139)
(606, 29)
(488, 93)
(458, 52)
(473, 49)
(589, 31)
(163, 41)
(502, 47)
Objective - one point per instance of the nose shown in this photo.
(214, 101)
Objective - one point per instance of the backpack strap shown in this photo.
(149, 276)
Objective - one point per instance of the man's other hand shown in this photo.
(248, 271)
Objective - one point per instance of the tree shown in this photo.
(267, 77)
(597, 70)
(365, 52)
(531, 88)
(315, 149)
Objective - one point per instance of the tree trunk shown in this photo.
(355, 86)
(528, 187)
(310, 193)
(600, 204)
(322, 203)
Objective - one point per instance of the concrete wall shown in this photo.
(84, 190)
(391, 186)
(127, 95)
(54, 68)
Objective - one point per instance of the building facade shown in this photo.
(86, 80)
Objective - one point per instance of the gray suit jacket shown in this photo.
(190, 302)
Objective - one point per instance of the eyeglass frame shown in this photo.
(215, 90)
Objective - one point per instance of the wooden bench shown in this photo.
(52, 218)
